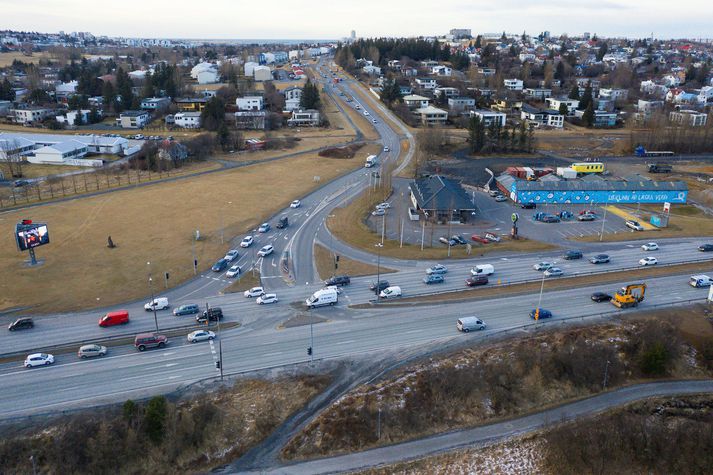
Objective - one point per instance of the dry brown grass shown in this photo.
(6, 59)
(248, 280)
(150, 224)
(324, 261)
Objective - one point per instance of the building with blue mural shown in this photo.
(577, 191)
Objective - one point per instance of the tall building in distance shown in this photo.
(353, 35)
(460, 33)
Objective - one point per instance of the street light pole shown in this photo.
(153, 301)
(604, 219)
(542, 287)
(378, 270)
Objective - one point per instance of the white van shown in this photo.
(482, 269)
(700, 281)
(467, 324)
(159, 303)
(322, 297)
(390, 292)
(370, 161)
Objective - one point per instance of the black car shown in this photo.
(550, 218)
(705, 247)
(543, 313)
(188, 309)
(571, 255)
(601, 297)
(338, 280)
(21, 324)
(20, 183)
(282, 223)
(213, 314)
(476, 280)
(219, 266)
(528, 205)
(459, 239)
(376, 288)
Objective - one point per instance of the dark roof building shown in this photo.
(438, 197)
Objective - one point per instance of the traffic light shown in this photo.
(309, 351)
(337, 257)
(217, 365)
(166, 275)
(537, 313)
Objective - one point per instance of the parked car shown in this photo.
(634, 225)
(648, 261)
(378, 212)
(550, 218)
(200, 335)
(212, 314)
(500, 198)
(554, 272)
(233, 271)
(264, 227)
(476, 280)
(478, 238)
(254, 292)
(458, 239)
(586, 217)
(528, 205)
(265, 250)
(544, 313)
(247, 241)
(378, 287)
(601, 297)
(296, 204)
(437, 269)
(541, 266)
(90, 351)
(705, 247)
(572, 255)
(338, 280)
(38, 359)
(21, 324)
(495, 192)
(149, 340)
(20, 183)
(599, 259)
(492, 237)
(220, 265)
(384, 205)
(231, 255)
(650, 246)
(433, 279)
(159, 303)
(267, 298)
(447, 241)
(187, 309)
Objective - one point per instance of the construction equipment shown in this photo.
(629, 296)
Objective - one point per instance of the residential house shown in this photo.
(371, 70)
(431, 115)
(645, 109)
(31, 115)
(205, 73)
(414, 101)
(405, 90)
(187, 120)
(441, 70)
(460, 104)
(556, 103)
(65, 90)
(249, 68)
(74, 117)
(5, 108)
(441, 199)
(583, 82)
(409, 72)
(426, 83)
(671, 80)
(250, 103)
(293, 95)
(262, 73)
(687, 117)
(601, 118)
(133, 119)
(513, 84)
(539, 94)
(394, 64)
(488, 117)
(542, 117)
(487, 72)
(448, 91)
(155, 103)
(613, 94)
(705, 94)
(507, 105)
(525, 57)
(304, 118)
(190, 104)
(254, 120)
(429, 63)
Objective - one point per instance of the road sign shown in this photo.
(515, 217)
(666, 207)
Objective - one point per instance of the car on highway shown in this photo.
(479, 238)
(212, 314)
(231, 255)
(543, 313)
(586, 217)
(437, 269)
(90, 351)
(601, 297)
(374, 121)
(550, 218)
(254, 292)
(366, 112)
(492, 237)
(390, 292)
(220, 265)
(296, 204)
(267, 298)
(705, 247)
(500, 198)
(264, 227)
(23, 323)
(476, 280)
(233, 271)
(187, 309)
(159, 303)
(541, 266)
(200, 335)
(467, 324)
(572, 255)
(554, 272)
(338, 280)
(434, 279)
(38, 359)
(648, 261)
(265, 250)
(634, 225)
(144, 341)
(378, 287)
(599, 259)
(528, 205)
(386, 149)
(650, 246)
(378, 212)
(247, 241)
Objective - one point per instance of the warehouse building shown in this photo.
(592, 190)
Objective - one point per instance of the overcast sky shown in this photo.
(333, 19)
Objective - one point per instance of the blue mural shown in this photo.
(585, 196)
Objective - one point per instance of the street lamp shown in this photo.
(153, 301)
(378, 269)
(334, 254)
(542, 286)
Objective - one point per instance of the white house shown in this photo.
(705, 94)
(33, 114)
(75, 117)
(671, 80)
(426, 83)
(431, 115)
(210, 76)
(250, 68)
(133, 119)
(414, 101)
(542, 117)
(488, 117)
(513, 84)
(262, 73)
(302, 118)
(371, 70)
(688, 117)
(448, 91)
(613, 94)
(250, 103)
(292, 98)
(539, 94)
(441, 70)
(65, 89)
(459, 104)
(555, 103)
(187, 120)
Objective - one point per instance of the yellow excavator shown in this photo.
(629, 296)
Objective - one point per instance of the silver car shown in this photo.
(90, 351)
(200, 335)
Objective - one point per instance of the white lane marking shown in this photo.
(272, 354)
(414, 331)
(345, 342)
(168, 365)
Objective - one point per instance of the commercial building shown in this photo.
(441, 199)
(688, 117)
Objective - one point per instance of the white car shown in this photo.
(553, 272)
(159, 303)
(267, 298)
(200, 335)
(650, 246)
(634, 225)
(231, 255)
(265, 250)
(295, 204)
(233, 271)
(38, 359)
(366, 112)
(386, 149)
(648, 261)
(374, 121)
(254, 292)
(384, 205)
(247, 241)
(378, 212)
(542, 266)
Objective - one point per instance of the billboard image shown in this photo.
(30, 236)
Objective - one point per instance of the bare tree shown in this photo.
(10, 155)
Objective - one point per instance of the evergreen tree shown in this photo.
(310, 96)
(586, 97)
(148, 89)
(560, 71)
(155, 419)
(563, 109)
(108, 94)
(6, 91)
(574, 92)
(603, 50)
(476, 134)
(213, 115)
(123, 87)
(588, 116)
(391, 92)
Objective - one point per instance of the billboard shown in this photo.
(30, 235)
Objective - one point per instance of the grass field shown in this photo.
(150, 224)
(324, 260)
(6, 59)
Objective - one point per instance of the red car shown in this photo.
(587, 211)
(478, 238)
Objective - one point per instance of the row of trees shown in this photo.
(496, 138)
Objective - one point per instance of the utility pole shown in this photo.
(378, 270)
(383, 227)
(604, 219)
(153, 300)
(423, 231)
